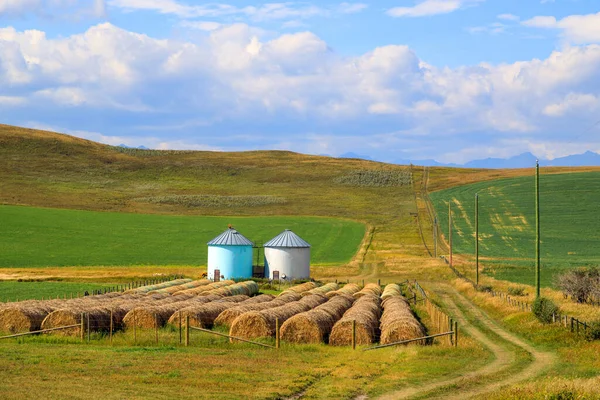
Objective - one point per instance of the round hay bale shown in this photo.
(202, 316)
(398, 322)
(227, 317)
(366, 311)
(301, 288)
(328, 287)
(314, 326)
(254, 324)
(391, 290)
(348, 289)
(369, 289)
(205, 288)
(19, 319)
(145, 315)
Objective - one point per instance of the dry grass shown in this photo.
(366, 312)
(314, 326)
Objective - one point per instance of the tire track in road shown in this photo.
(504, 354)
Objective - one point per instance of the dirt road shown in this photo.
(502, 343)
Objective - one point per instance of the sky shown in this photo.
(451, 80)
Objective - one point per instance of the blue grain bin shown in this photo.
(230, 256)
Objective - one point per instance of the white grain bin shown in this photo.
(229, 256)
(289, 255)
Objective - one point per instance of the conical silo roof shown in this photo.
(230, 237)
(287, 238)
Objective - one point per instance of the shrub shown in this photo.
(543, 309)
(516, 291)
(211, 200)
(376, 178)
(593, 331)
(485, 288)
(582, 285)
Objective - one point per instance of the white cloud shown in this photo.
(237, 76)
(509, 17)
(578, 29)
(352, 8)
(12, 101)
(202, 25)
(431, 7)
(573, 102)
(264, 12)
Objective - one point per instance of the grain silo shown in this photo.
(229, 256)
(287, 256)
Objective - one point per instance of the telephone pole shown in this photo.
(450, 231)
(477, 238)
(537, 228)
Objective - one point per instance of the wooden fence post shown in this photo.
(180, 333)
(353, 334)
(276, 333)
(82, 327)
(134, 328)
(455, 334)
(111, 327)
(187, 330)
(88, 327)
(156, 327)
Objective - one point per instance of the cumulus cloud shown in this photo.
(431, 7)
(579, 29)
(265, 12)
(237, 80)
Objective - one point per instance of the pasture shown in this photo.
(569, 221)
(39, 237)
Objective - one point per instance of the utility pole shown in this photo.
(435, 237)
(450, 231)
(537, 228)
(477, 238)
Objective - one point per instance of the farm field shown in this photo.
(503, 352)
(38, 237)
(569, 222)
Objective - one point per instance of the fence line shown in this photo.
(441, 322)
(40, 331)
(410, 341)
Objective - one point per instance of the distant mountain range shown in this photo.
(525, 160)
(130, 147)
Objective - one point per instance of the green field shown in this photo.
(14, 290)
(569, 223)
(37, 237)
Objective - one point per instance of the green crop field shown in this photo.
(569, 223)
(15, 290)
(35, 237)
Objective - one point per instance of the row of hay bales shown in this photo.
(159, 286)
(146, 311)
(150, 315)
(312, 316)
(36, 315)
(27, 316)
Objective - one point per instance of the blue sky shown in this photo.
(453, 80)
